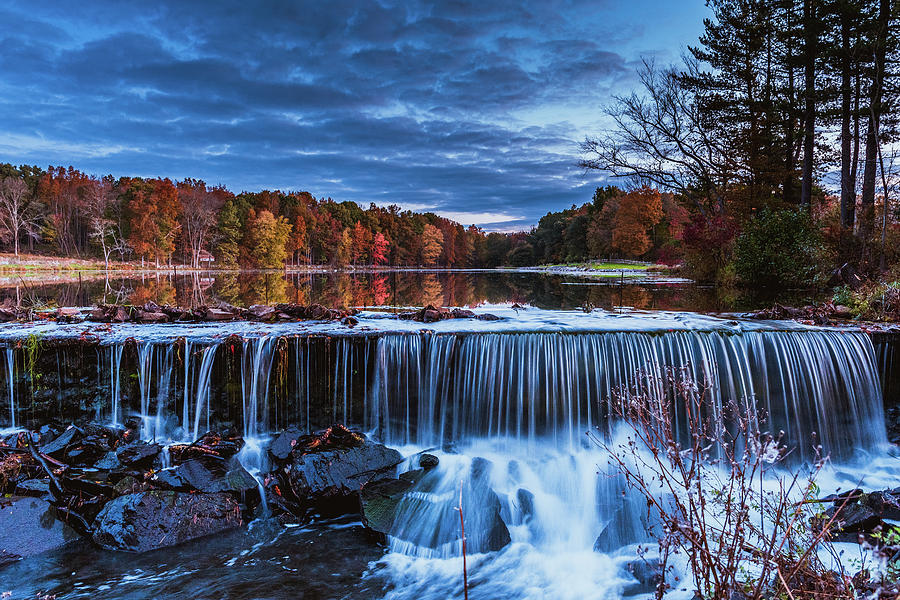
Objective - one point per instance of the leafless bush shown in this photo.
(708, 475)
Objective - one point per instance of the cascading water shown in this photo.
(256, 369)
(524, 402)
(201, 396)
(507, 408)
(115, 382)
(817, 386)
(11, 385)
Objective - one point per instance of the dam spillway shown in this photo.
(526, 377)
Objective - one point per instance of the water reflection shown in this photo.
(382, 289)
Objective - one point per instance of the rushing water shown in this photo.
(504, 404)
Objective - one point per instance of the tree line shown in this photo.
(157, 221)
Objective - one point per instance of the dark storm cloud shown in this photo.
(468, 108)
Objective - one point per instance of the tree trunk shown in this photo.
(848, 181)
(872, 129)
(809, 111)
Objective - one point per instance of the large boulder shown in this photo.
(342, 471)
(138, 455)
(421, 509)
(283, 443)
(156, 519)
(30, 526)
(209, 475)
(856, 515)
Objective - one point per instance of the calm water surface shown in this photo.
(387, 289)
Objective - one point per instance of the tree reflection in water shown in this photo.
(381, 289)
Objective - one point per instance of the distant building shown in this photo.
(205, 258)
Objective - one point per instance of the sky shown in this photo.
(472, 109)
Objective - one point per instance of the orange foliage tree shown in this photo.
(639, 211)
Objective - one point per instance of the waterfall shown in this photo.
(201, 396)
(819, 387)
(256, 363)
(516, 407)
(11, 384)
(115, 383)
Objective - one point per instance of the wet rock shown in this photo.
(68, 315)
(488, 317)
(342, 471)
(33, 487)
(648, 574)
(525, 500)
(30, 526)
(350, 321)
(129, 485)
(7, 558)
(109, 462)
(156, 519)
(399, 508)
(223, 445)
(217, 314)
(138, 455)
(151, 317)
(857, 514)
(284, 443)
(209, 476)
(379, 503)
(261, 312)
(58, 447)
(428, 461)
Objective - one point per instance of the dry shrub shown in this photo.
(708, 476)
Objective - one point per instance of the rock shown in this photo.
(118, 315)
(647, 573)
(606, 541)
(152, 317)
(350, 321)
(210, 444)
(209, 476)
(388, 508)
(317, 312)
(842, 312)
(156, 519)
(30, 526)
(428, 461)
(33, 487)
(129, 485)
(217, 314)
(854, 520)
(68, 315)
(341, 472)
(379, 501)
(525, 500)
(261, 311)
(488, 317)
(138, 455)
(461, 313)
(284, 443)
(109, 462)
(57, 448)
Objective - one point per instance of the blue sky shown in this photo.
(469, 108)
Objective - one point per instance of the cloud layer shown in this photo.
(468, 108)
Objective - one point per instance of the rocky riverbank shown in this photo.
(122, 493)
